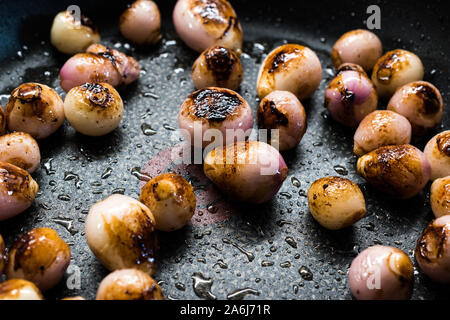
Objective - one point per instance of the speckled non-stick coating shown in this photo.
(262, 230)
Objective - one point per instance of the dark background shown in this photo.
(26, 55)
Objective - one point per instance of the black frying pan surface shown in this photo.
(78, 171)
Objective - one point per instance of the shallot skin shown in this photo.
(218, 109)
(395, 69)
(17, 190)
(39, 256)
(20, 149)
(71, 36)
(421, 103)
(217, 67)
(359, 46)
(120, 232)
(401, 171)
(381, 128)
(350, 97)
(19, 289)
(99, 64)
(36, 109)
(204, 23)
(433, 250)
(437, 151)
(440, 197)
(335, 202)
(171, 200)
(283, 111)
(141, 22)
(129, 284)
(249, 172)
(290, 67)
(381, 273)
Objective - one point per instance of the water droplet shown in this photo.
(66, 223)
(295, 182)
(168, 127)
(369, 226)
(305, 273)
(107, 173)
(295, 287)
(64, 197)
(221, 264)
(266, 263)
(285, 264)
(291, 241)
(340, 170)
(48, 166)
(212, 208)
(118, 191)
(250, 255)
(147, 129)
(136, 171)
(202, 286)
(239, 294)
(180, 286)
(287, 195)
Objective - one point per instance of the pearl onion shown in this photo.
(290, 67)
(381, 128)
(421, 103)
(202, 24)
(71, 36)
(120, 233)
(350, 97)
(440, 197)
(94, 109)
(283, 111)
(17, 190)
(361, 47)
(18, 289)
(381, 273)
(171, 200)
(35, 109)
(20, 149)
(217, 109)
(335, 202)
(141, 22)
(39, 256)
(437, 151)
(129, 284)
(433, 250)
(217, 67)
(395, 69)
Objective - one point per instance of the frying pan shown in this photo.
(276, 250)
